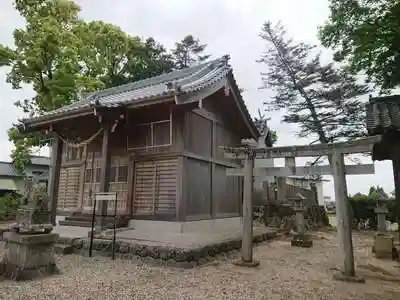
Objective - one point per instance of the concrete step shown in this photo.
(75, 223)
(79, 218)
(84, 224)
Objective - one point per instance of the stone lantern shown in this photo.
(301, 238)
(383, 243)
(381, 210)
(30, 243)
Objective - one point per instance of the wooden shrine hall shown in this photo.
(155, 143)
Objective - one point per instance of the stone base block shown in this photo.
(384, 246)
(248, 264)
(302, 240)
(28, 256)
(343, 277)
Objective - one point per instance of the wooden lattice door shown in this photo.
(92, 180)
(155, 187)
(118, 182)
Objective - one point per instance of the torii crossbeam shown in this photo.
(336, 151)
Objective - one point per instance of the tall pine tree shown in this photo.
(188, 52)
(320, 98)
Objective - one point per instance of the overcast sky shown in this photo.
(227, 26)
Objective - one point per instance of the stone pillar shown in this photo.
(281, 190)
(396, 175)
(347, 269)
(301, 238)
(381, 211)
(247, 234)
(383, 243)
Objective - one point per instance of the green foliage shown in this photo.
(365, 33)
(63, 57)
(363, 205)
(188, 52)
(9, 204)
(321, 99)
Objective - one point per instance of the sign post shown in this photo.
(112, 196)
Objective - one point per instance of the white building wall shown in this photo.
(258, 179)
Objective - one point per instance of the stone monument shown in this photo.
(30, 243)
(301, 238)
(383, 242)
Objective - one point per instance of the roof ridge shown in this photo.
(165, 77)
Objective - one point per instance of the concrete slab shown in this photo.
(192, 240)
(71, 232)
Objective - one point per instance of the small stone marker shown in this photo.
(30, 243)
(383, 243)
(301, 238)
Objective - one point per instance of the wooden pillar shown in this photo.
(281, 189)
(396, 175)
(343, 215)
(103, 205)
(247, 237)
(54, 177)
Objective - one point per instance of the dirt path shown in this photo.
(285, 273)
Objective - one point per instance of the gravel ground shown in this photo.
(285, 273)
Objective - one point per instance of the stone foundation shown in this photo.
(28, 256)
(384, 246)
(188, 226)
(166, 255)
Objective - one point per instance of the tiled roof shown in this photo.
(7, 168)
(188, 80)
(383, 114)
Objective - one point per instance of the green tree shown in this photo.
(45, 56)
(320, 98)
(63, 57)
(365, 33)
(188, 52)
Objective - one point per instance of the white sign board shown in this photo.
(106, 196)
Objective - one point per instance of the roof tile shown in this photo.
(383, 113)
(189, 80)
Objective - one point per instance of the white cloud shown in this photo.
(227, 26)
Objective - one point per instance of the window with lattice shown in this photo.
(149, 135)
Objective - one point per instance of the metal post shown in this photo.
(92, 227)
(115, 228)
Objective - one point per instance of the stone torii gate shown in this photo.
(251, 150)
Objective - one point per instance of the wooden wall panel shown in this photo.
(224, 137)
(198, 134)
(227, 193)
(198, 188)
(155, 187)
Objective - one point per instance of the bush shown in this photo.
(362, 210)
(9, 205)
